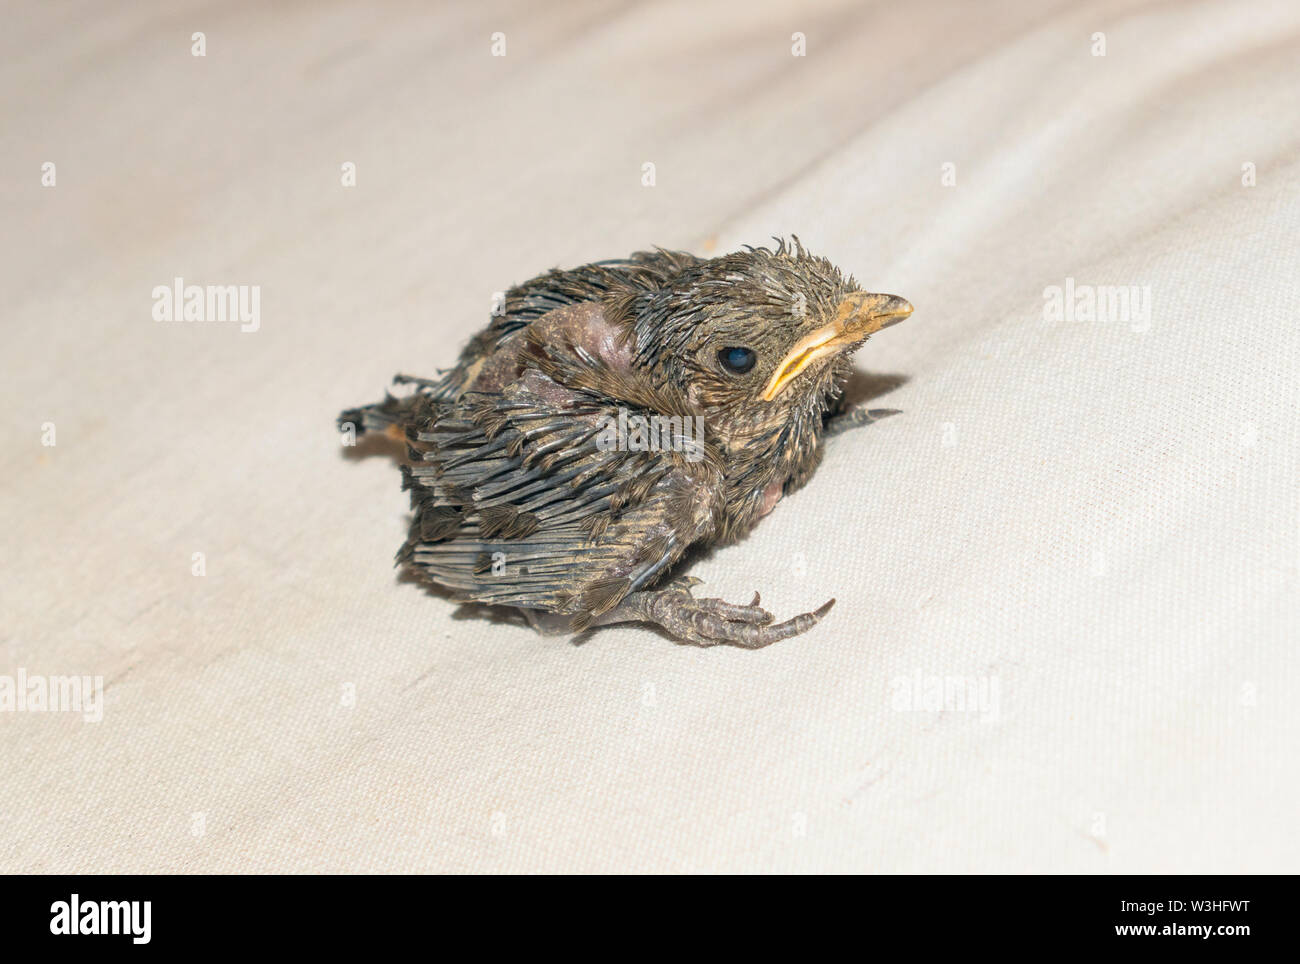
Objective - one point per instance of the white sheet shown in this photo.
(1094, 524)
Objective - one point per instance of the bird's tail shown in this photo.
(375, 418)
(393, 413)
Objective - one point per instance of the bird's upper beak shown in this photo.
(859, 315)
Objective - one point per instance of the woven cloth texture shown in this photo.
(1066, 574)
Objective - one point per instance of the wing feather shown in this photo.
(558, 525)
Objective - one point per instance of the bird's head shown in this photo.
(757, 335)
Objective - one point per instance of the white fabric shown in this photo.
(1093, 526)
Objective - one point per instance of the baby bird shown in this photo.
(611, 416)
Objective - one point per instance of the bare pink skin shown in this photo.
(581, 324)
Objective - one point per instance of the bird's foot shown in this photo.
(854, 417)
(711, 622)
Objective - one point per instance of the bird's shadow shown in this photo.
(497, 615)
(862, 387)
(506, 615)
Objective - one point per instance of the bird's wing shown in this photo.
(525, 303)
(519, 500)
(644, 270)
(588, 285)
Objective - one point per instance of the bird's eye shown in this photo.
(737, 360)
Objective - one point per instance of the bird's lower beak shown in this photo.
(858, 316)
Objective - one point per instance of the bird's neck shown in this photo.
(763, 457)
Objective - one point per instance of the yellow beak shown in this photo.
(859, 315)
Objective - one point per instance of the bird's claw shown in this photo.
(713, 621)
(686, 583)
(856, 417)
